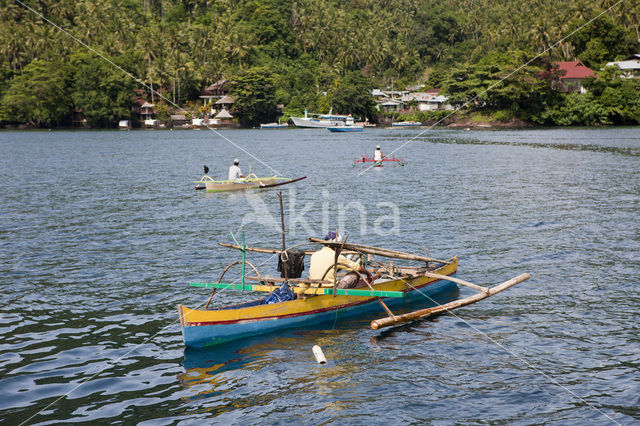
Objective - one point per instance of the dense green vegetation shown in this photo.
(314, 54)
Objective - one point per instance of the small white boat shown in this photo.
(346, 129)
(274, 125)
(406, 124)
(150, 123)
(348, 126)
(197, 123)
(124, 125)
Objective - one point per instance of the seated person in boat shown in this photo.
(323, 260)
(377, 154)
(234, 171)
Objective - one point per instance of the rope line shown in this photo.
(504, 348)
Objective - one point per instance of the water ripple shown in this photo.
(96, 254)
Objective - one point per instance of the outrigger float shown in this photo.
(250, 182)
(320, 300)
(366, 159)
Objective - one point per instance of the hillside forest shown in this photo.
(285, 56)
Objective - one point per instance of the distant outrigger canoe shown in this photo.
(366, 159)
(250, 182)
(320, 300)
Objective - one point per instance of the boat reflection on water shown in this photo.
(214, 371)
(219, 369)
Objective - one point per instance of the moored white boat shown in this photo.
(274, 125)
(124, 125)
(318, 120)
(348, 126)
(406, 124)
(150, 123)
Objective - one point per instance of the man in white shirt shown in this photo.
(377, 154)
(234, 171)
(324, 258)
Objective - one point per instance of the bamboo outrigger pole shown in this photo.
(379, 251)
(425, 313)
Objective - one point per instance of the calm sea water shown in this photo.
(101, 232)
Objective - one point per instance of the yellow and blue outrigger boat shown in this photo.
(320, 300)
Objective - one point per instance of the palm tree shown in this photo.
(147, 39)
(238, 47)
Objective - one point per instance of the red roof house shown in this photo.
(572, 74)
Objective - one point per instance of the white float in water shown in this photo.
(317, 352)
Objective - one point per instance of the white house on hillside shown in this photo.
(630, 67)
(428, 101)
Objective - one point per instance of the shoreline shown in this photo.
(468, 123)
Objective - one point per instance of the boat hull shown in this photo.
(239, 186)
(315, 123)
(202, 328)
(344, 129)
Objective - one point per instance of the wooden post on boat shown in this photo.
(244, 259)
(335, 263)
(424, 313)
(284, 246)
(284, 257)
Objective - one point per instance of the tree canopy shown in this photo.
(352, 95)
(310, 47)
(255, 93)
(38, 95)
(101, 92)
